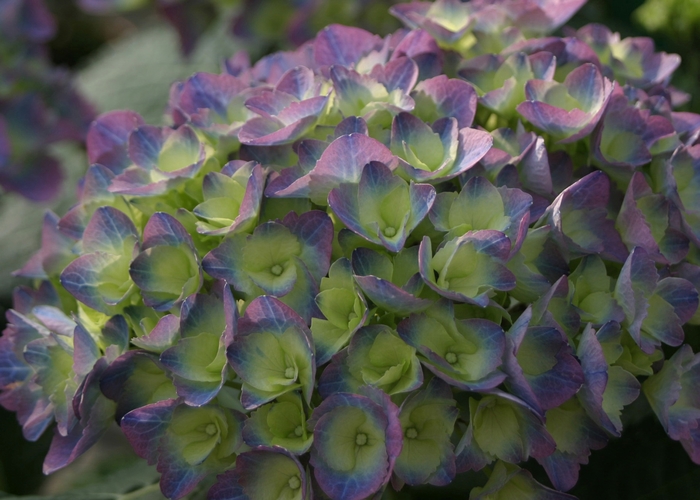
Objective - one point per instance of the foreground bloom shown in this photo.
(569, 110)
(357, 438)
(339, 271)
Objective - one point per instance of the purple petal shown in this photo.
(38, 180)
(132, 380)
(250, 478)
(164, 229)
(145, 426)
(315, 231)
(96, 414)
(107, 139)
(110, 231)
(451, 97)
(343, 45)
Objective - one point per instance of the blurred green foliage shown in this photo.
(675, 25)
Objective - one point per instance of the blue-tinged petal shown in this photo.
(145, 426)
(576, 436)
(98, 280)
(343, 45)
(107, 139)
(390, 297)
(344, 311)
(606, 390)
(163, 335)
(465, 353)
(341, 162)
(579, 219)
(441, 96)
(376, 357)
(355, 444)
(401, 73)
(672, 394)
(110, 231)
(135, 379)
(85, 351)
(167, 270)
(469, 267)
(232, 198)
(314, 229)
(280, 423)
(541, 368)
(272, 352)
(263, 473)
(95, 413)
(427, 421)
(567, 111)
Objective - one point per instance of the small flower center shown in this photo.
(451, 358)
(210, 429)
(361, 439)
(276, 269)
(411, 433)
(294, 482)
(389, 231)
(298, 431)
(289, 372)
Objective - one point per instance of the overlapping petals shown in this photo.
(569, 110)
(465, 353)
(272, 353)
(357, 439)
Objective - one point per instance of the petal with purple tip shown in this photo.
(355, 445)
(262, 473)
(441, 96)
(273, 352)
(427, 420)
(469, 267)
(107, 139)
(342, 162)
(464, 353)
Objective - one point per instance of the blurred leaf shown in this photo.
(137, 72)
(20, 219)
(135, 482)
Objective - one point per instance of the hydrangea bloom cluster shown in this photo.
(38, 104)
(376, 262)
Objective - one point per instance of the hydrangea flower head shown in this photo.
(375, 263)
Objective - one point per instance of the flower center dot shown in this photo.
(361, 439)
(289, 372)
(389, 231)
(210, 429)
(294, 482)
(411, 433)
(298, 431)
(451, 358)
(276, 269)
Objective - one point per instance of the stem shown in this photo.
(140, 492)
